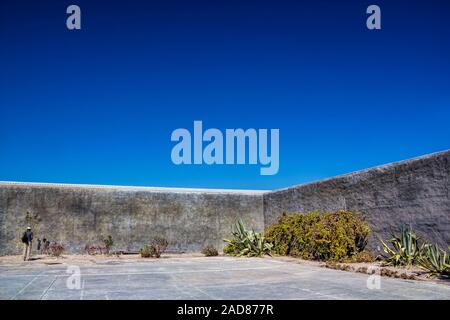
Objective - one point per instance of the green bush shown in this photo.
(147, 251)
(210, 251)
(156, 247)
(246, 242)
(335, 236)
(404, 249)
(108, 243)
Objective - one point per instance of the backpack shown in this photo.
(24, 238)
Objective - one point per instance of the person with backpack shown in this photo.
(27, 240)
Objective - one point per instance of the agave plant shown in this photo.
(247, 242)
(405, 249)
(435, 261)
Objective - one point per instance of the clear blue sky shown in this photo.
(98, 105)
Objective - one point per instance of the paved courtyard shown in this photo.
(203, 278)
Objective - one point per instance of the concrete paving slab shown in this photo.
(204, 278)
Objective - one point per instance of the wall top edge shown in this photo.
(380, 168)
(375, 169)
(130, 188)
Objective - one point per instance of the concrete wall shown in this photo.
(415, 191)
(76, 215)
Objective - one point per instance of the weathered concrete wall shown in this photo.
(77, 215)
(415, 192)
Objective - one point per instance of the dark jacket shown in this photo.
(27, 236)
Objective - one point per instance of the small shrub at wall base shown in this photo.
(156, 247)
(147, 251)
(91, 249)
(327, 236)
(95, 249)
(210, 251)
(160, 244)
(56, 249)
(108, 241)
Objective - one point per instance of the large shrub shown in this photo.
(337, 236)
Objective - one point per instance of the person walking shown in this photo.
(27, 240)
